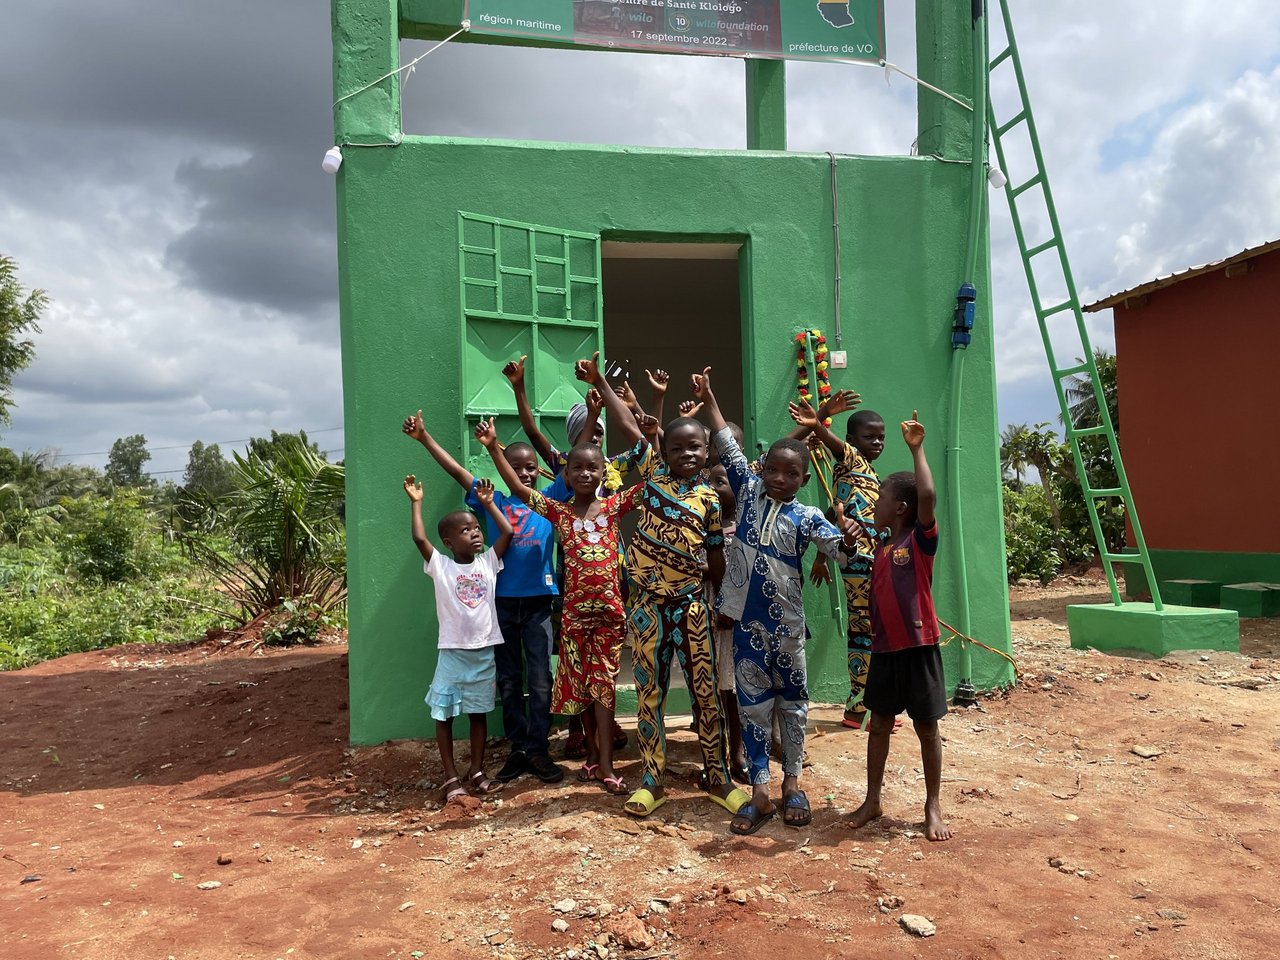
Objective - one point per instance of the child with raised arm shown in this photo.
(679, 518)
(464, 586)
(525, 593)
(763, 593)
(593, 624)
(856, 487)
(722, 633)
(582, 425)
(906, 665)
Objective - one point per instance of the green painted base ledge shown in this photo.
(1191, 593)
(1252, 599)
(1140, 627)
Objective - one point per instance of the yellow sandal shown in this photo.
(734, 802)
(642, 803)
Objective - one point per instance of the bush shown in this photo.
(63, 617)
(108, 540)
(1031, 542)
(297, 621)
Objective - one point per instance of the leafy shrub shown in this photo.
(297, 621)
(108, 540)
(1031, 543)
(63, 617)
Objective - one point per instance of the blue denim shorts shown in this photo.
(464, 683)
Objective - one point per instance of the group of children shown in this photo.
(711, 577)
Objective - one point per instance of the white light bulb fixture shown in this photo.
(995, 176)
(332, 160)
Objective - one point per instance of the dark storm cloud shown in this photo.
(263, 234)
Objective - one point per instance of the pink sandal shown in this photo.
(453, 789)
(587, 772)
(614, 786)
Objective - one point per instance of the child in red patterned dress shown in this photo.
(594, 622)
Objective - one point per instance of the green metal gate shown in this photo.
(526, 290)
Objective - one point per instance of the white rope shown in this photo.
(466, 25)
(889, 68)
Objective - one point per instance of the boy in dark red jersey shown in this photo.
(906, 665)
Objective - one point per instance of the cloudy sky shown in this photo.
(160, 178)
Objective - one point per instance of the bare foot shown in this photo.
(935, 828)
(870, 810)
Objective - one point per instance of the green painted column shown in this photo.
(944, 55)
(366, 46)
(766, 104)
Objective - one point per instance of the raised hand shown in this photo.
(624, 393)
(802, 413)
(514, 371)
(689, 408)
(839, 402)
(413, 427)
(851, 527)
(700, 384)
(588, 371)
(413, 488)
(913, 431)
(487, 432)
(484, 491)
(595, 402)
(658, 379)
(648, 427)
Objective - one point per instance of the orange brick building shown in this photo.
(1197, 363)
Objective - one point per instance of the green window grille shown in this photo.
(526, 290)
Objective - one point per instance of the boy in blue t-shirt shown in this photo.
(525, 592)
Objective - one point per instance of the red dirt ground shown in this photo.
(127, 773)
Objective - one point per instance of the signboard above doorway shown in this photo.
(772, 29)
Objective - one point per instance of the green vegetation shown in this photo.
(19, 316)
(277, 535)
(87, 563)
(1046, 523)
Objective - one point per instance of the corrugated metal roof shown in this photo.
(1160, 282)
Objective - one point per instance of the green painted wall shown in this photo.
(1224, 568)
(902, 221)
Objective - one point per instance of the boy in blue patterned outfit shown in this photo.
(763, 592)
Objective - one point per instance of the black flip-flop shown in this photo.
(754, 818)
(797, 801)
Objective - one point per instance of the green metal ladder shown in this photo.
(1067, 307)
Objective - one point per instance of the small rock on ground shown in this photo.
(917, 925)
(630, 931)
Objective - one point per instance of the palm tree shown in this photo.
(278, 534)
(1013, 458)
(1083, 401)
(1022, 446)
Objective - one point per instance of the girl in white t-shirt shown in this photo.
(465, 673)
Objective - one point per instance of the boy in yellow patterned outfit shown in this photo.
(679, 519)
(856, 488)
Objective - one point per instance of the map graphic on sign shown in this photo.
(836, 13)
(775, 29)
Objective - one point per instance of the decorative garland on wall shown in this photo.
(813, 338)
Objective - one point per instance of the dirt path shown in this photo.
(127, 773)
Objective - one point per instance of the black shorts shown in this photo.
(909, 680)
